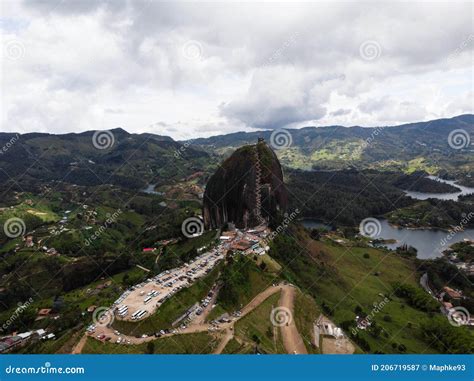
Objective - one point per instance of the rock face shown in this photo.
(247, 189)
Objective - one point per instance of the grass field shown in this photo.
(366, 282)
(37, 209)
(342, 278)
(257, 328)
(258, 281)
(306, 311)
(183, 247)
(105, 297)
(272, 265)
(234, 347)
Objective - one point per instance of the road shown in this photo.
(80, 344)
(229, 334)
(425, 284)
(291, 338)
(200, 319)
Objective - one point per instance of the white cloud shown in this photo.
(90, 65)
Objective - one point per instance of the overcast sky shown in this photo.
(200, 69)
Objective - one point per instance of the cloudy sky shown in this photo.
(189, 69)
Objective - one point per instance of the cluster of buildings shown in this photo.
(246, 242)
(453, 257)
(9, 343)
(449, 298)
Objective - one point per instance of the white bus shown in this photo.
(147, 299)
(141, 314)
(135, 314)
(121, 309)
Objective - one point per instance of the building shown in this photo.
(91, 309)
(452, 294)
(29, 241)
(446, 307)
(43, 312)
(9, 343)
(241, 245)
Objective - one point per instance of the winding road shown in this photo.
(291, 338)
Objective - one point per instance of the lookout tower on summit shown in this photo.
(246, 190)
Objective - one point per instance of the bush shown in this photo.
(416, 297)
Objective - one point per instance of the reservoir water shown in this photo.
(442, 196)
(430, 243)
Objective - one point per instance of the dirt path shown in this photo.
(203, 327)
(255, 302)
(80, 344)
(291, 338)
(229, 334)
(143, 268)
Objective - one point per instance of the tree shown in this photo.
(150, 348)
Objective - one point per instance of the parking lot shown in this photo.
(143, 299)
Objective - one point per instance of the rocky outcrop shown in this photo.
(247, 189)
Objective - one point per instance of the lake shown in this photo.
(430, 243)
(442, 196)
